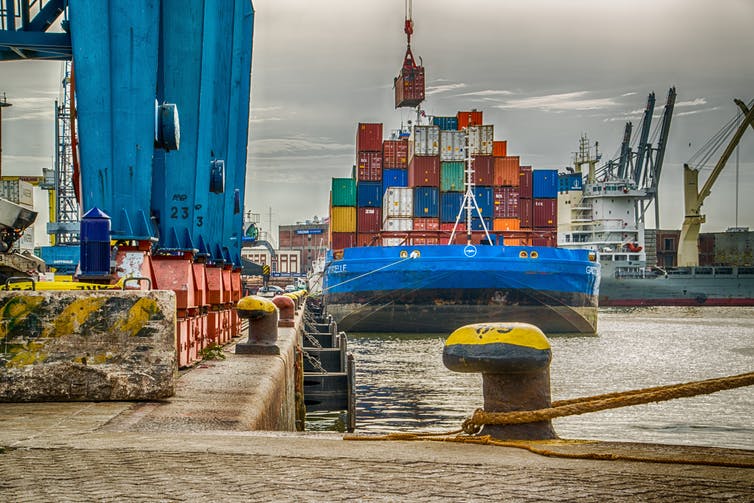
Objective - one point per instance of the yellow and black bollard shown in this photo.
(514, 359)
(263, 326)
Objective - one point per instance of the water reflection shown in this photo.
(402, 385)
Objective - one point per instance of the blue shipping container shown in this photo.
(426, 202)
(570, 181)
(544, 183)
(446, 123)
(450, 205)
(485, 199)
(476, 224)
(394, 178)
(369, 194)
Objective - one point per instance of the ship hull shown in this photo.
(734, 289)
(383, 289)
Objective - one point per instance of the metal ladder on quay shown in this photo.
(328, 367)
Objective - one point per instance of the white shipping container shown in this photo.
(398, 202)
(480, 139)
(452, 145)
(18, 191)
(26, 242)
(398, 224)
(393, 241)
(425, 140)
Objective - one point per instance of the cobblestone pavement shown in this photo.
(235, 466)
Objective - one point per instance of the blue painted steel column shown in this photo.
(115, 54)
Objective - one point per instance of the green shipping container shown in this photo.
(343, 192)
(452, 176)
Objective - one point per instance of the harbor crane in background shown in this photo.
(688, 248)
(640, 168)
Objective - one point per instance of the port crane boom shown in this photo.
(688, 251)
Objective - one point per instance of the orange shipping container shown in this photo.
(499, 148)
(507, 171)
(506, 224)
(473, 118)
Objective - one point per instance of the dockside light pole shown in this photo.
(3, 103)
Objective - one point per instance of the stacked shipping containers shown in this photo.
(369, 156)
(416, 185)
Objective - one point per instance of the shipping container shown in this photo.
(426, 202)
(466, 119)
(544, 239)
(367, 239)
(18, 191)
(424, 140)
(452, 176)
(500, 148)
(484, 170)
(426, 224)
(398, 224)
(525, 212)
(448, 226)
(343, 219)
(568, 182)
(544, 183)
(340, 240)
(395, 154)
(452, 146)
(398, 202)
(506, 224)
(409, 87)
(424, 171)
(368, 220)
(545, 212)
(394, 178)
(484, 200)
(445, 123)
(425, 241)
(477, 237)
(450, 206)
(505, 202)
(480, 139)
(524, 182)
(369, 137)
(393, 241)
(369, 166)
(369, 194)
(509, 241)
(507, 171)
(343, 192)
(476, 224)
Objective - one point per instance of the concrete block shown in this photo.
(87, 346)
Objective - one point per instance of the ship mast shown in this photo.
(469, 200)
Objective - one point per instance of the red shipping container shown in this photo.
(369, 137)
(484, 170)
(507, 171)
(525, 212)
(544, 239)
(367, 239)
(409, 86)
(505, 202)
(473, 118)
(340, 240)
(395, 154)
(545, 213)
(499, 148)
(476, 238)
(368, 220)
(448, 226)
(369, 167)
(426, 224)
(524, 182)
(424, 171)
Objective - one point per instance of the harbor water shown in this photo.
(402, 385)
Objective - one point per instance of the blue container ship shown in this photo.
(438, 288)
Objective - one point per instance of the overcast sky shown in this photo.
(543, 72)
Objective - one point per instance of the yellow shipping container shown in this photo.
(343, 219)
(506, 224)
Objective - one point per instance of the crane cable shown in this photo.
(702, 156)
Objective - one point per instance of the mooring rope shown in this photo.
(472, 426)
